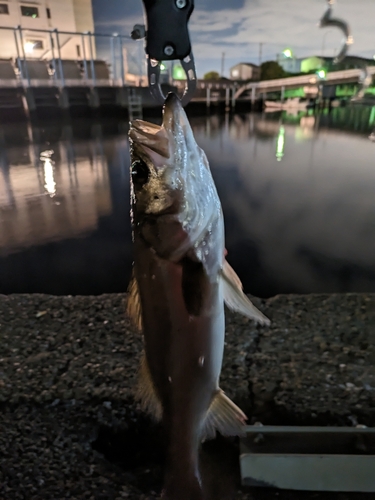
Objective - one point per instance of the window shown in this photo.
(29, 11)
(4, 9)
(48, 13)
(31, 45)
(78, 51)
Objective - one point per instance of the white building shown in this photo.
(64, 15)
(245, 71)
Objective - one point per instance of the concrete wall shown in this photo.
(83, 15)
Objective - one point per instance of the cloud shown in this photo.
(236, 27)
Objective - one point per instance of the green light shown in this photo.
(34, 16)
(287, 53)
(178, 73)
(280, 145)
(321, 73)
(162, 66)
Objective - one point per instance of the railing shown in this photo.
(59, 46)
(309, 79)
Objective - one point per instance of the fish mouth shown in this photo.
(151, 138)
(168, 143)
(157, 139)
(172, 111)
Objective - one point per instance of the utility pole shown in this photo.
(126, 66)
(260, 52)
(222, 63)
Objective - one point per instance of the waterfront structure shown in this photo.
(245, 71)
(67, 16)
(295, 65)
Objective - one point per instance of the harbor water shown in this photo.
(298, 195)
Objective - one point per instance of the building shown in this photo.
(289, 64)
(349, 62)
(245, 71)
(296, 65)
(66, 15)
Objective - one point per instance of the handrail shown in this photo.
(56, 44)
(304, 79)
(78, 33)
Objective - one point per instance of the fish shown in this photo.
(180, 282)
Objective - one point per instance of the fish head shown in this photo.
(174, 199)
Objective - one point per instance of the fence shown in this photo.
(39, 57)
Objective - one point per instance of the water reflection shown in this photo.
(305, 223)
(50, 184)
(297, 194)
(50, 195)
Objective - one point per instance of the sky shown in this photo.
(237, 27)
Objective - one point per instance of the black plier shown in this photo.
(167, 39)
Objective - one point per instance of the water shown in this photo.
(298, 195)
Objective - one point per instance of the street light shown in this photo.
(287, 53)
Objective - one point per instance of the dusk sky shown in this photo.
(237, 26)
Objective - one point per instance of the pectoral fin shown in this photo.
(235, 299)
(134, 308)
(223, 416)
(146, 392)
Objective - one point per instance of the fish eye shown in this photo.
(140, 172)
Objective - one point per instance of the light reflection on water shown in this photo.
(297, 194)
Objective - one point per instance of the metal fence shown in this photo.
(64, 58)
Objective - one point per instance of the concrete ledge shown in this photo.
(71, 429)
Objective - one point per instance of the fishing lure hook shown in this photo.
(328, 20)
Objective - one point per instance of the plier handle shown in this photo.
(167, 39)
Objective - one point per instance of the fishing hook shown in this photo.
(327, 20)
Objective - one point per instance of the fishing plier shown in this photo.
(167, 39)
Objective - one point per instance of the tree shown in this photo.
(211, 75)
(270, 70)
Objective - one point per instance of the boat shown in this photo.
(293, 103)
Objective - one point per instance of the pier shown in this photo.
(52, 83)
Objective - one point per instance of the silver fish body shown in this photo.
(181, 281)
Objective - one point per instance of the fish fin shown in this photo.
(134, 308)
(146, 392)
(223, 416)
(234, 297)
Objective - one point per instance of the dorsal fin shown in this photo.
(234, 297)
(134, 308)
